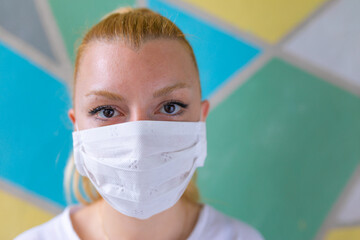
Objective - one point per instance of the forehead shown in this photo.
(156, 62)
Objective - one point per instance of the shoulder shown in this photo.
(59, 227)
(213, 224)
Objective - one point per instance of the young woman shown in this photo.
(140, 135)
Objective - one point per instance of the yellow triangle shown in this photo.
(18, 215)
(348, 233)
(267, 19)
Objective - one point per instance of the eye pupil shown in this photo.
(108, 113)
(169, 108)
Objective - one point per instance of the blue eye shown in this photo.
(172, 108)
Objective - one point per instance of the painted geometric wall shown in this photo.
(283, 80)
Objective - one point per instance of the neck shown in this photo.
(176, 222)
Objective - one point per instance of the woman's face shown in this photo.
(116, 84)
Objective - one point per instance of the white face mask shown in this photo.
(141, 168)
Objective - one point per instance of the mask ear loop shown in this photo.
(79, 164)
(76, 127)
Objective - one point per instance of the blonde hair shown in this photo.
(133, 27)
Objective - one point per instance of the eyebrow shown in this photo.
(167, 90)
(106, 94)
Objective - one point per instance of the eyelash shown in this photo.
(93, 111)
(183, 105)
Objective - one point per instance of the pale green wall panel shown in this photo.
(74, 17)
(281, 149)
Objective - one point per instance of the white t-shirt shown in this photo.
(211, 225)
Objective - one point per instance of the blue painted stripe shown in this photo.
(35, 133)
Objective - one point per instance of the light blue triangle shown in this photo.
(35, 132)
(219, 54)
